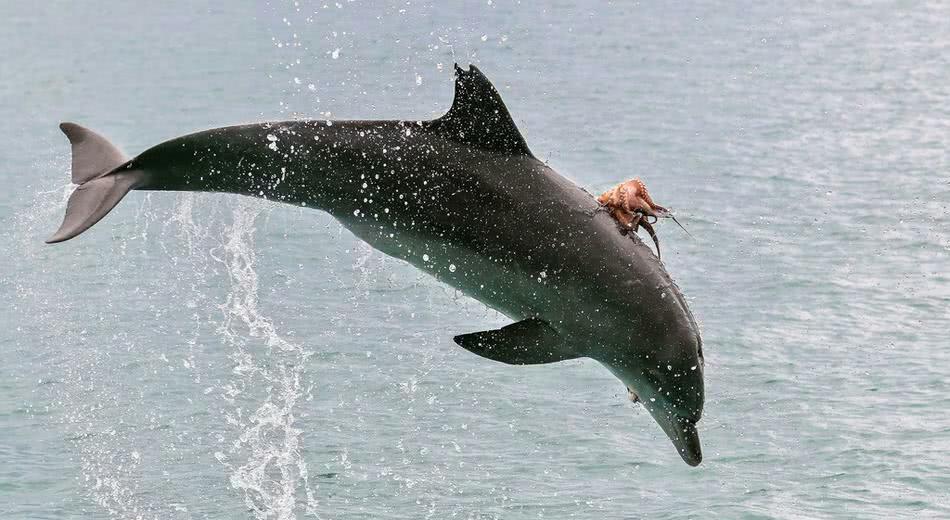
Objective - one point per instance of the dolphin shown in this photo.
(462, 198)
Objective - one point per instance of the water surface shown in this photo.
(207, 356)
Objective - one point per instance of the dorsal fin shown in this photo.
(478, 116)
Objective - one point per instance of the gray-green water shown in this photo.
(199, 356)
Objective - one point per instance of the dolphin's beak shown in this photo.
(679, 426)
(685, 437)
(687, 443)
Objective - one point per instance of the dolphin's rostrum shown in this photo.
(462, 198)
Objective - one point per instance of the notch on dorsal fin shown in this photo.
(478, 116)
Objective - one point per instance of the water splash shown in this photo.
(59, 325)
(274, 468)
(124, 438)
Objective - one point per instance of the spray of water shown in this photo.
(273, 468)
(59, 326)
(122, 441)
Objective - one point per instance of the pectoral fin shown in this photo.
(527, 342)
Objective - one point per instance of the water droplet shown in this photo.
(425, 258)
(452, 268)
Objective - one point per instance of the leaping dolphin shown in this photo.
(462, 198)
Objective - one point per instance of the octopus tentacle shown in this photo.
(632, 207)
(656, 241)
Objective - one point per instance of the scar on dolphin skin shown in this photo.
(629, 203)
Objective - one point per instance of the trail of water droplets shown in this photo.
(274, 468)
(116, 451)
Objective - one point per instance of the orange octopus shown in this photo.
(629, 203)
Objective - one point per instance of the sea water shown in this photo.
(202, 356)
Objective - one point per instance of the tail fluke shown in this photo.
(93, 155)
(101, 183)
